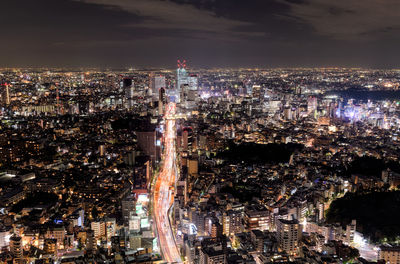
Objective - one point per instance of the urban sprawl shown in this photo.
(200, 166)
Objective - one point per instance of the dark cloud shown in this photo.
(266, 33)
(349, 19)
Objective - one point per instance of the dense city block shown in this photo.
(200, 166)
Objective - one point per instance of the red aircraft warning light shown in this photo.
(181, 64)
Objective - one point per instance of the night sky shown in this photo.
(208, 33)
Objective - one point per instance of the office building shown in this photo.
(128, 206)
(182, 81)
(129, 91)
(157, 83)
(257, 218)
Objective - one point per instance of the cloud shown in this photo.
(349, 19)
(183, 19)
(206, 32)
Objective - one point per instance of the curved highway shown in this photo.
(163, 191)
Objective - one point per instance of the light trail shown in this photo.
(367, 250)
(162, 196)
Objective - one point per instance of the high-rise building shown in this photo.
(312, 104)
(102, 150)
(161, 95)
(5, 94)
(149, 143)
(350, 232)
(128, 206)
(193, 82)
(16, 247)
(216, 228)
(157, 83)
(189, 92)
(111, 228)
(161, 100)
(321, 211)
(288, 234)
(129, 91)
(181, 79)
(197, 218)
(99, 229)
(257, 91)
(232, 222)
(249, 88)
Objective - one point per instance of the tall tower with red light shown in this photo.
(181, 79)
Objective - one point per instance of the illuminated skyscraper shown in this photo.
(16, 247)
(161, 100)
(5, 94)
(189, 92)
(157, 83)
(288, 235)
(129, 92)
(193, 82)
(128, 206)
(181, 79)
(161, 95)
(312, 104)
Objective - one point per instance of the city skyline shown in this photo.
(198, 167)
(200, 131)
